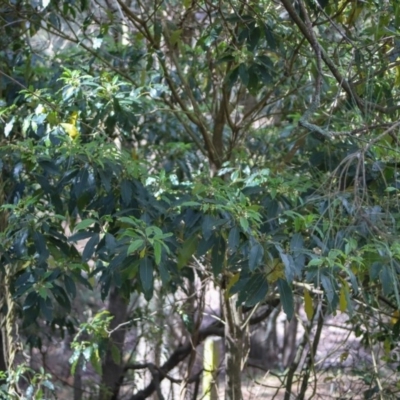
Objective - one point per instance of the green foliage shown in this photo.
(89, 342)
(193, 146)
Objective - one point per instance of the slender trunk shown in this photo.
(10, 344)
(113, 370)
(236, 348)
(78, 392)
(3, 364)
(3, 304)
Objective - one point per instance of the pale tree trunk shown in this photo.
(236, 348)
(10, 343)
(3, 304)
(112, 371)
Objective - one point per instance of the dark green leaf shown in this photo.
(208, 226)
(269, 36)
(205, 245)
(30, 301)
(256, 256)
(111, 243)
(244, 74)
(264, 74)
(254, 38)
(90, 246)
(40, 245)
(290, 267)
(387, 281)
(126, 192)
(70, 286)
(329, 289)
(61, 297)
(233, 239)
(146, 276)
(164, 273)
(286, 295)
(76, 237)
(46, 308)
(232, 77)
(186, 251)
(254, 291)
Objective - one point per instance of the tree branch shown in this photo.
(344, 83)
(215, 329)
(177, 356)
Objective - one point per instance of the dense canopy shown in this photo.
(176, 171)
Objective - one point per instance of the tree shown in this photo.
(277, 146)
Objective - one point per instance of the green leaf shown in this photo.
(135, 245)
(254, 38)
(164, 273)
(84, 224)
(232, 77)
(95, 360)
(233, 239)
(176, 37)
(244, 223)
(30, 301)
(387, 281)
(146, 276)
(286, 295)
(256, 256)
(129, 221)
(244, 74)
(208, 226)
(157, 247)
(90, 246)
(69, 286)
(253, 291)
(218, 255)
(61, 297)
(46, 308)
(308, 305)
(329, 289)
(40, 244)
(8, 127)
(186, 251)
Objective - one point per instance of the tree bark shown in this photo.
(236, 348)
(112, 371)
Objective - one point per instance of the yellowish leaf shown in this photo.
(232, 280)
(275, 270)
(308, 305)
(71, 130)
(395, 317)
(387, 346)
(73, 118)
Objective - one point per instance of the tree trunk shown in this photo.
(3, 364)
(113, 371)
(236, 348)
